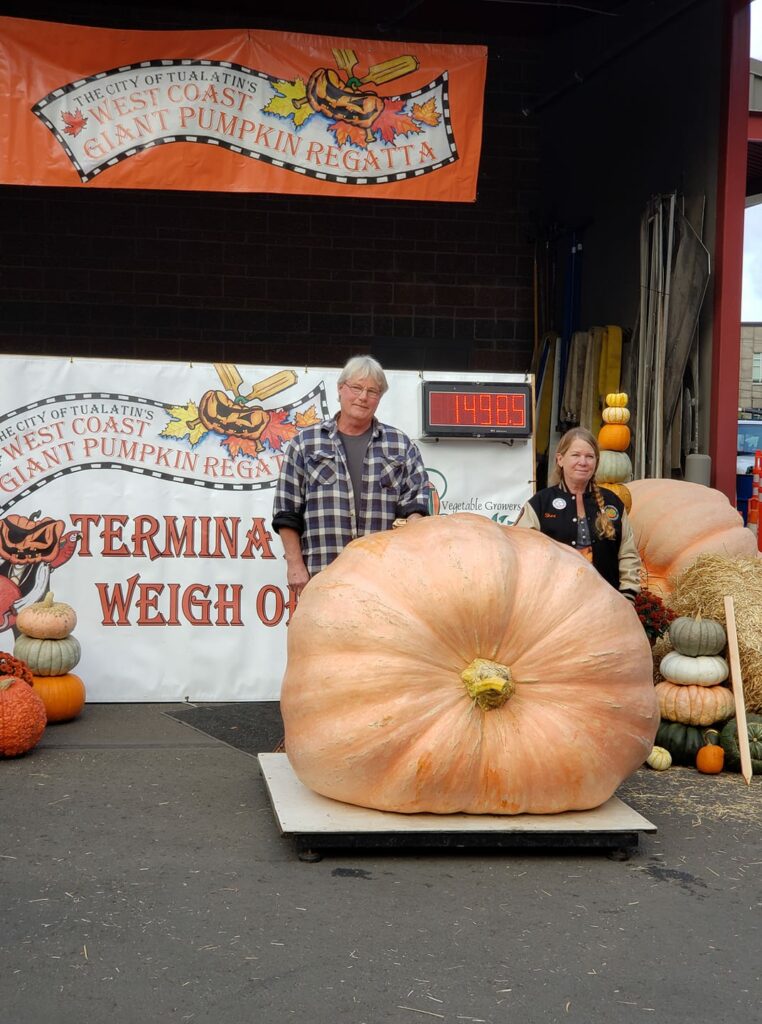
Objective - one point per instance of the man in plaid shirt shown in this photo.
(346, 477)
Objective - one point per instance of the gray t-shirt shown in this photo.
(355, 449)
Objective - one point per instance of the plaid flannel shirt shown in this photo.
(314, 493)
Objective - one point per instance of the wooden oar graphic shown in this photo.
(385, 71)
(232, 381)
(345, 101)
(388, 70)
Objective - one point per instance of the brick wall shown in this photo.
(272, 279)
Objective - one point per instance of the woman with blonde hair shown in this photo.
(575, 510)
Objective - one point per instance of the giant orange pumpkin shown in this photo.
(457, 665)
(674, 522)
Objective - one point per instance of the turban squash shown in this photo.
(674, 522)
(397, 693)
(22, 716)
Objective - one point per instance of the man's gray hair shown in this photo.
(360, 367)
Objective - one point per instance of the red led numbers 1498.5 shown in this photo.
(466, 409)
(477, 409)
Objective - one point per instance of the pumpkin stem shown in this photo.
(488, 683)
(48, 599)
(5, 682)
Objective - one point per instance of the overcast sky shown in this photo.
(751, 305)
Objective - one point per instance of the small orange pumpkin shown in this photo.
(63, 696)
(22, 716)
(710, 758)
(614, 437)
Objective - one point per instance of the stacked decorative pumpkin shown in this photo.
(692, 696)
(615, 467)
(51, 652)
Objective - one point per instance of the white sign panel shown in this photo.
(141, 494)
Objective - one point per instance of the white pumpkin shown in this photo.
(616, 414)
(706, 670)
(659, 759)
(614, 466)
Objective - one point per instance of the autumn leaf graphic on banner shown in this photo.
(348, 133)
(244, 427)
(426, 113)
(74, 122)
(278, 431)
(240, 446)
(308, 418)
(289, 101)
(184, 423)
(393, 121)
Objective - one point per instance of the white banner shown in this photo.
(141, 494)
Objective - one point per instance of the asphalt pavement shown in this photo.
(143, 878)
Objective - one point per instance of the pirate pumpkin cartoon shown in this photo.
(356, 113)
(30, 548)
(245, 426)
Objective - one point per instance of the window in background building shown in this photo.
(756, 368)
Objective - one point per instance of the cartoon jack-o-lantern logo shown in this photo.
(25, 541)
(30, 548)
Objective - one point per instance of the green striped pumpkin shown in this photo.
(729, 743)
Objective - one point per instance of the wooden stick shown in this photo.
(737, 682)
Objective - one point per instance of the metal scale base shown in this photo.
(317, 824)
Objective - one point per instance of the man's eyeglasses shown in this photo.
(373, 393)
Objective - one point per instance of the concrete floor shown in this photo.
(142, 878)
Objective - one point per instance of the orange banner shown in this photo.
(245, 111)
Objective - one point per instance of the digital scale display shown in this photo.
(466, 409)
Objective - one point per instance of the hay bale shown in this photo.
(659, 649)
(700, 590)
